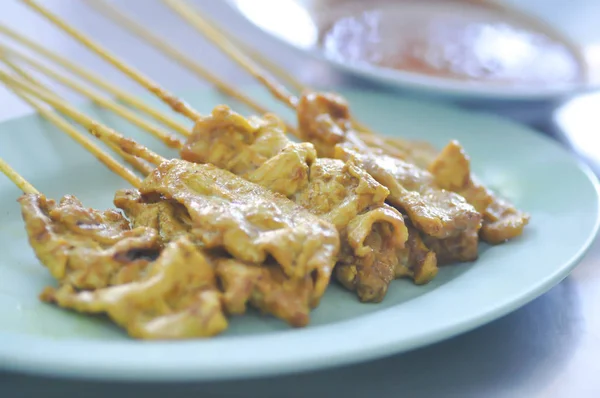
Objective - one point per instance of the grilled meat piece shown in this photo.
(501, 220)
(247, 221)
(83, 247)
(340, 192)
(176, 298)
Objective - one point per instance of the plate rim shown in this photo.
(29, 362)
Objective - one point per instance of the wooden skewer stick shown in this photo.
(99, 99)
(16, 178)
(84, 141)
(77, 136)
(197, 21)
(251, 65)
(259, 58)
(142, 166)
(96, 128)
(175, 103)
(97, 81)
(147, 35)
(120, 18)
(278, 71)
(139, 164)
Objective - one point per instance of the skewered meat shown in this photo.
(342, 193)
(371, 232)
(83, 247)
(263, 286)
(452, 171)
(249, 222)
(462, 247)
(230, 141)
(169, 218)
(434, 211)
(422, 260)
(450, 226)
(266, 288)
(175, 298)
(324, 119)
(445, 201)
(501, 220)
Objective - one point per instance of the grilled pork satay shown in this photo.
(103, 265)
(456, 240)
(263, 286)
(247, 220)
(503, 218)
(171, 221)
(452, 171)
(449, 224)
(220, 212)
(324, 120)
(228, 213)
(176, 298)
(84, 247)
(502, 221)
(373, 234)
(440, 214)
(370, 272)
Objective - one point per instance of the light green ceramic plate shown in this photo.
(534, 172)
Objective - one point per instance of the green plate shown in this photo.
(537, 174)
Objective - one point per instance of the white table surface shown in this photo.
(549, 348)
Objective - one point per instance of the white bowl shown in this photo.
(294, 22)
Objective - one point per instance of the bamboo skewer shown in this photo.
(197, 21)
(189, 14)
(276, 70)
(97, 81)
(255, 55)
(222, 40)
(147, 35)
(153, 39)
(98, 98)
(175, 103)
(97, 129)
(85, 142)
(16, 178)
(78, 137)
(137, 163)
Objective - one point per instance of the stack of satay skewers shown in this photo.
(247, 217)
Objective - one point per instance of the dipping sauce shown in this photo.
(458, 39)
